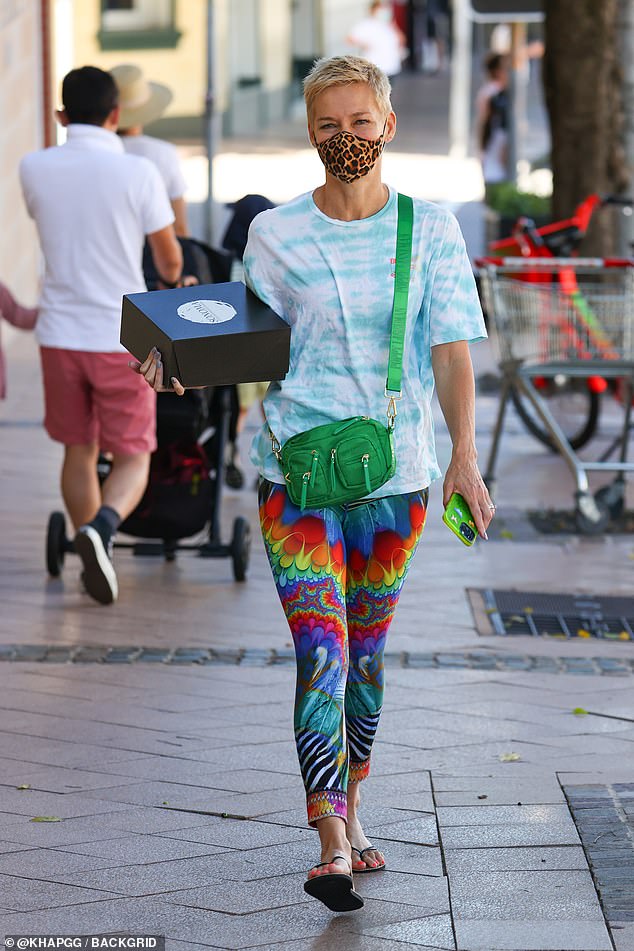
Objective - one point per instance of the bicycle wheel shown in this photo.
(574, 406)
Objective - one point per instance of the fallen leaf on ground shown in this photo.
(45, 819)
(579, 712)
(509, 757)
(24, 786)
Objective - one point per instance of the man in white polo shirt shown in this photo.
(93, 206)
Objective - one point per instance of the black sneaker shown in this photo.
(98, 575)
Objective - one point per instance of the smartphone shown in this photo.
(457, 516)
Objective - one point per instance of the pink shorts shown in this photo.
(97, 398)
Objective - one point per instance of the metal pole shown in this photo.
(460, 92)
(209, 123)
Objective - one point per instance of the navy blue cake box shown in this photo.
(208, 335)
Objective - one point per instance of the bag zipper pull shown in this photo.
(305, 481)
(365, 458)
(313, 467)
(333, 485)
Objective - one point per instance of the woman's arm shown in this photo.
(453, 373)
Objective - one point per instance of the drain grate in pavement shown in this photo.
(471, 660)
(604, 816)
(552, 615)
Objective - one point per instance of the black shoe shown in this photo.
(98, 574)
(234, 477)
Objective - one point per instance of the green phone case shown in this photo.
(457, 516)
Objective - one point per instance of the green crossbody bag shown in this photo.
(346, 460)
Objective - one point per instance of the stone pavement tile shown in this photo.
(533, 895)
(237, 735)
(116, 915)
(64, 780)
(14, 848)
(414, 859)
(266, 861)
(250, 780)
(445, 782)
(117, 736)
(157, 793)
(245, 805)
(279, 755)
(416, 802)
(95, 828)
(555, 818)
(45, 863)
(151, 878)
(344, 942)
(240, 833)
(497, 792)
(131, 849)
(510, 835)
(20, 894)
(432, 932)
(191, 926)
(482, 861)
(49, 752)
(172, 945)
(430, 896)
(424, 724)
(622, 935)
(524, 935)
(424, 737)
(421, 830)
(34, 802)
(559, 721)
(243, 898)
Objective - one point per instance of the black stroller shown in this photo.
(184, 491)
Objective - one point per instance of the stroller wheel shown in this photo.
(240, 548)
(57, 544)
(591, 516)
(613, 497)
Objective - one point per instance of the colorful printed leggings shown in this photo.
(339, 572)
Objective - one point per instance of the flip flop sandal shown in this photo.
(368, 868)
(335, 890)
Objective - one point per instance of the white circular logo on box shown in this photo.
(207, 311)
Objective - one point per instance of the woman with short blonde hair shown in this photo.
(326, 263)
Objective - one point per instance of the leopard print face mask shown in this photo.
(349, 157)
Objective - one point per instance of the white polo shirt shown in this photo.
(165, 157)
(93, 205)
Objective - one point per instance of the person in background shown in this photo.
(438, 24)
(492, 122)
(93, 206)
(17, 315)
(378, 39)
(142, 102)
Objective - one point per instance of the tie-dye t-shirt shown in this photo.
(333, 282)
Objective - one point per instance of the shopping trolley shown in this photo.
(568, 317)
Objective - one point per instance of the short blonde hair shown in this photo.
(343, 71)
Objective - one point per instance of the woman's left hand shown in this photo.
(463, 476)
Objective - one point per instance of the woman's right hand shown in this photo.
(152, 371)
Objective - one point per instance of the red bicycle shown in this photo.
(574, 401)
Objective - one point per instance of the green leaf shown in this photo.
(509, 757)
(580, 712)
(45, 819)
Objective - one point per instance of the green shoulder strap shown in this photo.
(401, 293)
